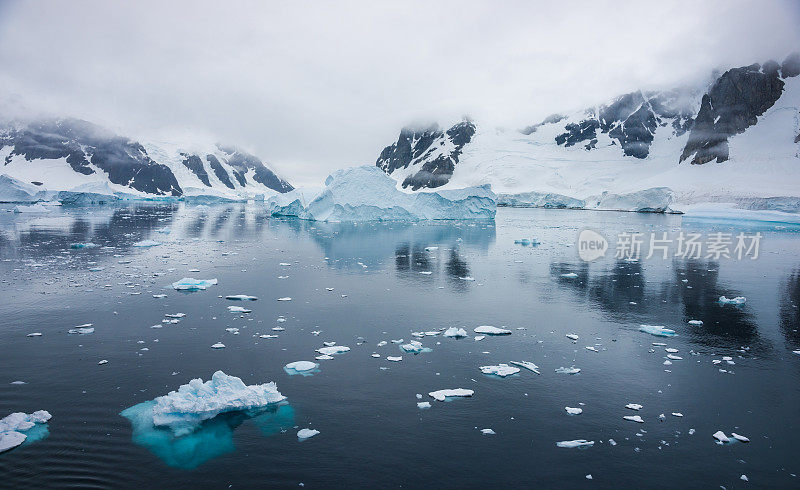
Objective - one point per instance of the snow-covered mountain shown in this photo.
(65, 154)
(734, 139)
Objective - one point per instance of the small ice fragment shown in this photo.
(324, 357)
(394, 358)
(677, 414)
(575, 443)
(490, 330)
(569, 275)
(423, 405)
(218, 345)
(286, 298)
(695, 322)
(333, 349)
(569, 370)
(634, 418)
(674, 357)
(267, 336)
(739, 300)
(481, 337)
(720, 436)
(633, 406)
(488, 432)
(192, 284)
(442, 395)
(572, 336)
(238, 309)
(501, 370)
(657, 330)
(573, 411)
(241, 297)
(455, 332)
(612, 442)
(527, 365)
(82, 329)
(174, 315)
(740, 437)
(744, 478)
(34, 334)
(299, 367)
(304, 434)
(592, 348)
(375, 355)
(104, 361)
(691, 432)
(414, 347)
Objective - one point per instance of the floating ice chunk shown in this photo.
(739, 300)
(592, 348)
(573, 411)
(612, 442)
(490, 330)
(501, 370)
(633, 406)
(78, 246)
(671, 350)
(633, 418)
(324, 357)
(218, 345)
(16, 428)
(192, 284)
(174, 315)
(575, 443)
(286, 298)
(103, 361)
(159, 296)
(744, 478)
(300, 367)
(238, 309)
(572, 336)
(34, 334)
(147, 243)
(527, 365)
(481, 337)
(569, 370)
(720, 436)
(233, 330)
(455, 332)
(423, 405)
(82, 329)
(304, 434)
(394, 358)
(674, 357)
(796, 352)
(431, 249)
(695, 322)
(241, 297)
(35, 208)
(442, 395)
(184, 410)
(488, 432)
(333, 349)
(740, 437)
(677, 414)
(267, 336)
(657, 330)
(414, 347)
(569, 275)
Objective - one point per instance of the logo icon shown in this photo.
(591, 245)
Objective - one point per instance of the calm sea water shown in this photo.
(371, 431)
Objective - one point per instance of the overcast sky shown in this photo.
(315, 86)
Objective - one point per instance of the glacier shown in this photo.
(367, 194)
(17, 191)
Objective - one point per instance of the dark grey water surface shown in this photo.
(372, 433)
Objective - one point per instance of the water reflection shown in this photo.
(790, 310)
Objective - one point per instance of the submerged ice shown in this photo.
(20, 427)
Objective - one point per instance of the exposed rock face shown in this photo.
(632, 120)
(732, 104)
(551, 119)
(85, 145)
(435, 151)
(243, 162)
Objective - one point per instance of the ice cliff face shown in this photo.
(59, 154)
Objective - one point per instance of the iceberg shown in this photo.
(192, 284)
(490, 330)
(20, 427)
(304, 434)
(653, 200)
(443, 395)
(368, 194)
(17, 191)
(501, 370)
(548, 200)
(657, 330)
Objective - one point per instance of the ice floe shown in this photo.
(304, 434)
(301, 367)
(575, 443)
(238, 309)
(569, 370)
(527, 365)
(442, 395)
(739, 300)
(18, 427)
(241, 297)
(634, 418)
(192, 284)
(455, 332)
(501, 370)
(82, 329)
(490, 330)
(657, 330)
(573, 410)
(333, 349)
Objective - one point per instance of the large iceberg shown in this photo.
(13, 190)
(547, 200)
(183, 411)
(20, 427)
(653, 200)
(90, 193)
(368, 194)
